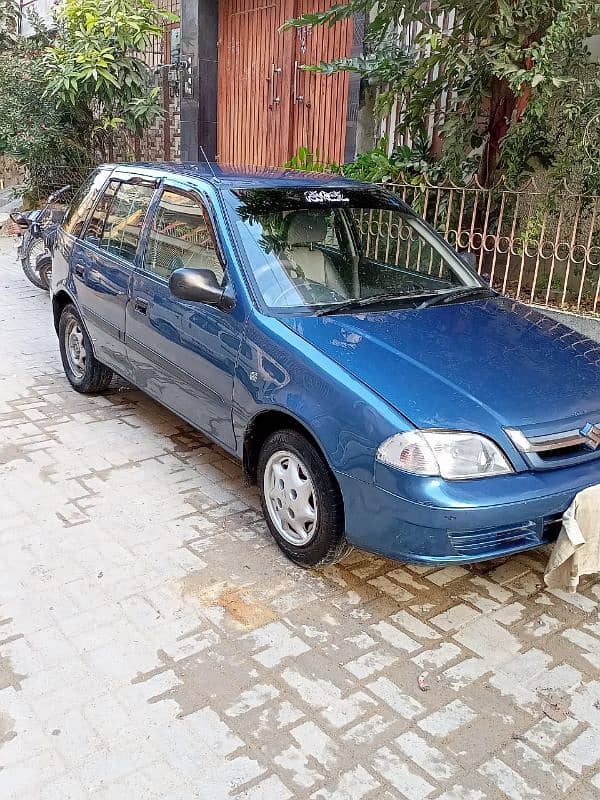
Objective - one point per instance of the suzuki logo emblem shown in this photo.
(591, 434)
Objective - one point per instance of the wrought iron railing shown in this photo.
(536, 245)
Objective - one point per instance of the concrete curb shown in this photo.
(588, 326)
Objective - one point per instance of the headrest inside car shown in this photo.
(306, 227)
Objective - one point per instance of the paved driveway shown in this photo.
(155, 644)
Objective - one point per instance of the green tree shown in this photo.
(38, 135)
(95, 69)
(507, 62)
(10, 12)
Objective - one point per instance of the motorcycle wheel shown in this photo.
(44, 270)
(33, 247)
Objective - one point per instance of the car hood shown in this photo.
(465, 365)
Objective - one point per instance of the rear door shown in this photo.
(183, 353)
(103, 262)
(72, 226)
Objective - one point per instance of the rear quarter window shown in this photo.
(82, 202)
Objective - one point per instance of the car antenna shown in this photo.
(210, 166)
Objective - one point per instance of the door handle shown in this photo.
(275, 72)
(298, 98)
(79, 270)
(140, 305)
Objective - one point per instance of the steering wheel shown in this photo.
(333, 296)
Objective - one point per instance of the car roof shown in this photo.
(239, 177)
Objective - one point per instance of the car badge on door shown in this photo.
(591, 434)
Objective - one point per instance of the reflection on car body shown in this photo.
(379, 393)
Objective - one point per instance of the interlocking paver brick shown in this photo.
(154, 642)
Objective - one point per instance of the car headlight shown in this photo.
(452, 455)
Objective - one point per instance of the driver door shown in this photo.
(183, 353)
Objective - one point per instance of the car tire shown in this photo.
(84, 372)
(301, 500)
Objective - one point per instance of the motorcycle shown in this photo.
(38, 230)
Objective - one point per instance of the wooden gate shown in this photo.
(268, 105)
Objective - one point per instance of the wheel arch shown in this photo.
(59, 300)
(261, 426)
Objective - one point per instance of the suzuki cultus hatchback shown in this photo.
(379, 393)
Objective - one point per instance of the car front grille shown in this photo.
(572, 444)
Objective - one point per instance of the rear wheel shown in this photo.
(44, 270)
(84, 372)
(301, 500)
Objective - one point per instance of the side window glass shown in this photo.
(122, 226)
(82, 202)
(97, 221)
(181, 236)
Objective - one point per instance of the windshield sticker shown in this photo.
(325, 197)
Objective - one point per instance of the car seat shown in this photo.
(305, 229)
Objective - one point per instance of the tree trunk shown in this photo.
(366, 123)
(501, 108)
(505, 109)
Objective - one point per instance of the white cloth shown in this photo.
(577, 549)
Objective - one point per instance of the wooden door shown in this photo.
(320, 102)
(254, 82)
(267, 105)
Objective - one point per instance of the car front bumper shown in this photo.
(430, 520)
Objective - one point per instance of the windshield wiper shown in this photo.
(464, 293)
(358, 303)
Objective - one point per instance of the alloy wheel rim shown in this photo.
(75, 348)
(290, 498)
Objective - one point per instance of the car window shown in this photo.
(391, 239)
(181, 236)
(82, 202)
(116, 224)
(95, 228)
(311, 249)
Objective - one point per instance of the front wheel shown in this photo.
(84, 372)
(301, 500)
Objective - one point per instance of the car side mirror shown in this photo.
(200, 286)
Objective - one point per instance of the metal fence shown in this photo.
(535, 245)
(406, 36)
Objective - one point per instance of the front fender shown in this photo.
(279, 371)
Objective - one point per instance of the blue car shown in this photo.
(317, 329)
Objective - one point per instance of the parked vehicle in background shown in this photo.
(38, 231)
(316, 328)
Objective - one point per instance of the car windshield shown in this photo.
(325, 249)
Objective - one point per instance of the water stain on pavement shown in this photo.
(8, 676)
(12, 452)
(237, 601)
(7, 732)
